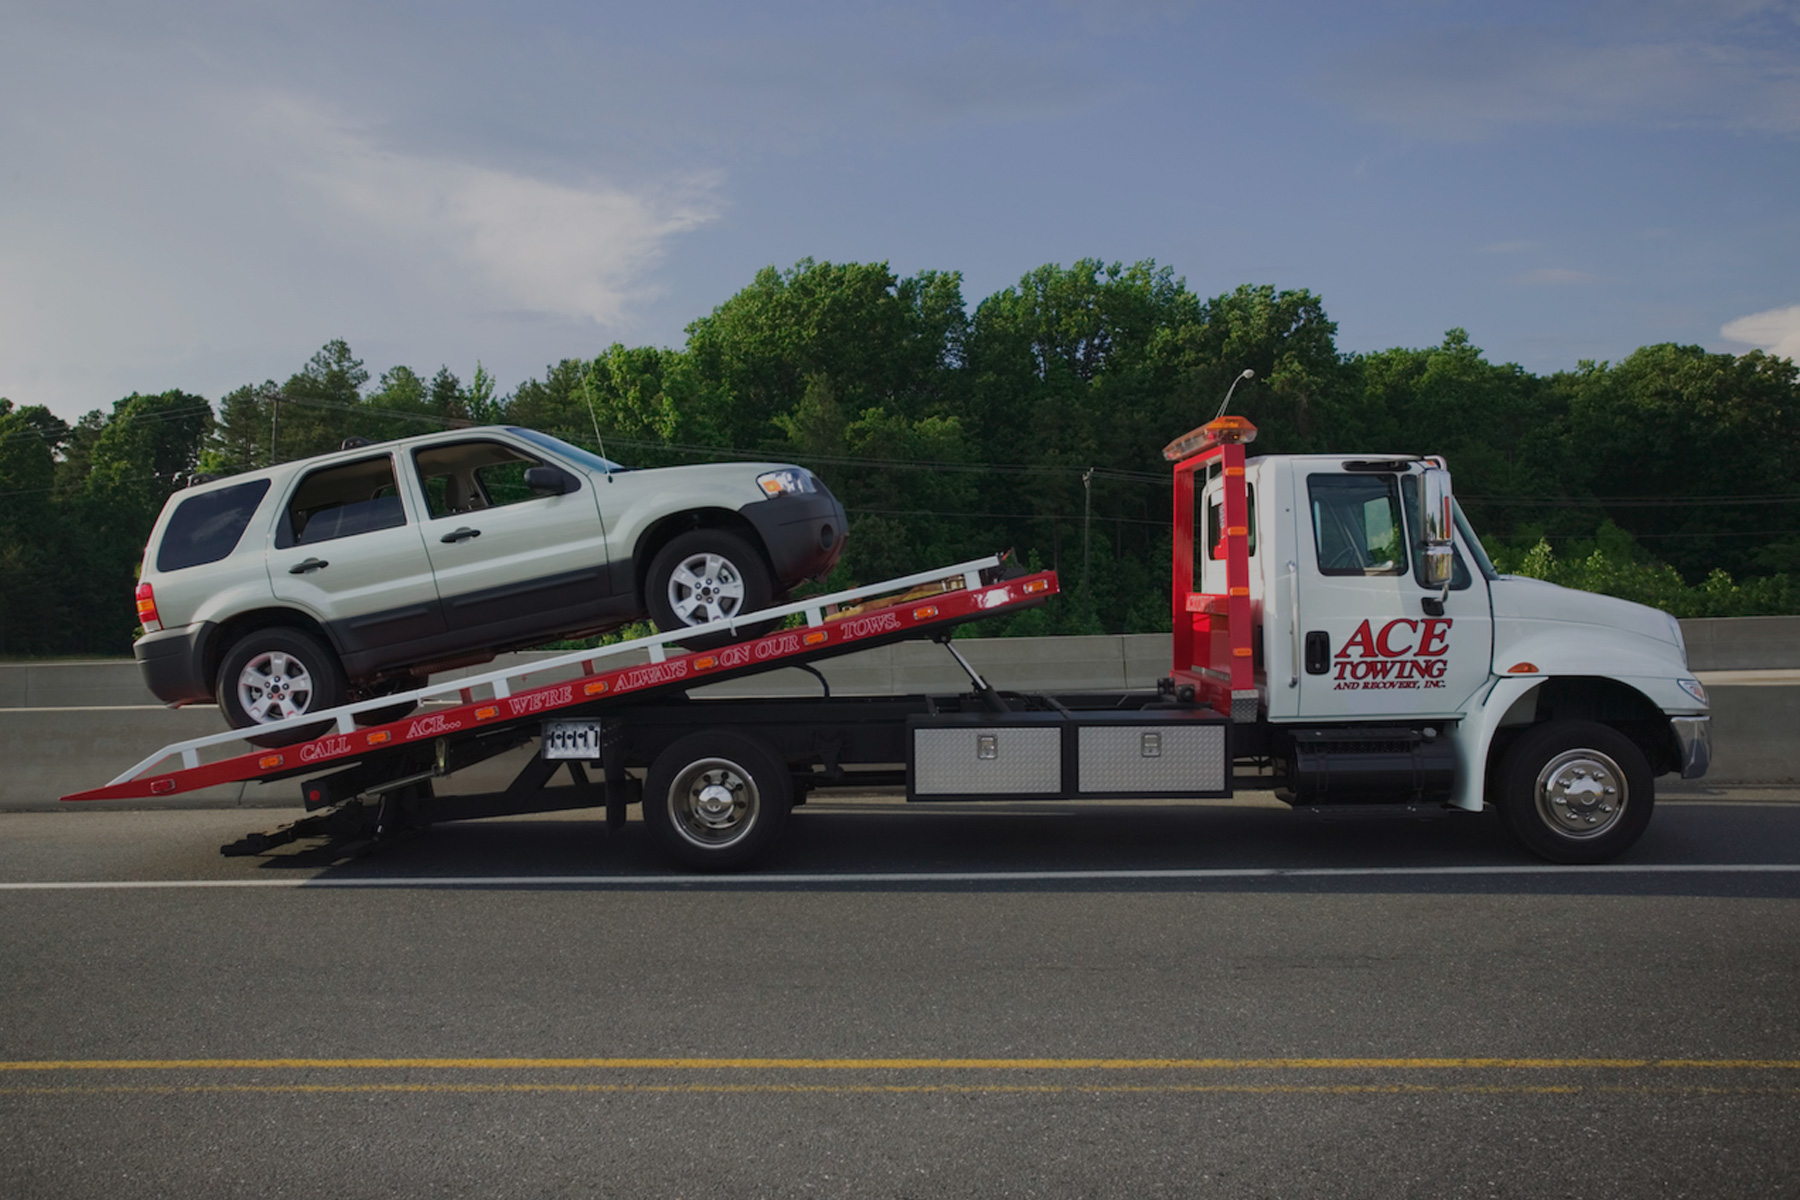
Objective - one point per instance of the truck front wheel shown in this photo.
(716, 800)
(1575, 791)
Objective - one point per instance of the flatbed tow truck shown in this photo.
(1364, 658)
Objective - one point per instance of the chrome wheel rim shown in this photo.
(274, 686)
(1581, 794)
(714, 802)
(705, 587)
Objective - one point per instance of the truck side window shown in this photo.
(342, 501)
(207, 527)
(1357, 527)
(464, 476)
(1215, 526)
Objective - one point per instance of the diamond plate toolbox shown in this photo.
(987, 760)
(1160, 757)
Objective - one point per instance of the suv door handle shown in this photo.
(460, 535)
(311, 564)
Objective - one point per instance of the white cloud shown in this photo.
(576, 250)
(1466, 83)
(1777, 331)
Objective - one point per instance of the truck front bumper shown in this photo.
(1693, 737)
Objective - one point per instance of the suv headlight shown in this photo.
(790, 482)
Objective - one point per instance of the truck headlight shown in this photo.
(791, 482)
(1694, 688)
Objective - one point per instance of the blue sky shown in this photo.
(199, 195)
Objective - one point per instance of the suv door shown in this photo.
(347, 550)
(510, 561)
(1375, 646)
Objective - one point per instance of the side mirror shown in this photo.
(547, 480)
(1436, 524)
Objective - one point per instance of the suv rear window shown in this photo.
(342, 501)
(205, 528)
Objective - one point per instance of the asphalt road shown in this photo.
(1085, 1000)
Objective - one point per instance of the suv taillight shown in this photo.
(146, 605)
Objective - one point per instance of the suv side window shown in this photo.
(342, 501)
(465, 476)
(1357, 529)
(207, 527)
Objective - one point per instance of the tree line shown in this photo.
(1033, 421)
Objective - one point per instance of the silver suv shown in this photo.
(350, 575)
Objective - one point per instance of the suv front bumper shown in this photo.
(804, 534)
(1693, 737)
(173, 665)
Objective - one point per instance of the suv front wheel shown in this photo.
(272, 674)
(707, 575)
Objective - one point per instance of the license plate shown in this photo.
(572, 739)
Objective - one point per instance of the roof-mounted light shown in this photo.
(1220, 431)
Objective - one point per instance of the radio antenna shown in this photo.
(594, 417)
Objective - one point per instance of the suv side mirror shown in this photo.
(1436, 525)
(547, 480)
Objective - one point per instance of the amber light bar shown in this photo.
(1220, 431)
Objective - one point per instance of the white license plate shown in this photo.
(572, 739)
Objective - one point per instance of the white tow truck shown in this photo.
(1339, 636)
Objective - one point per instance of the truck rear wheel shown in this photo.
(716, 800)
(1575, 791)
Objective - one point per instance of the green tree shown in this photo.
(1686, 450)
(148, 448)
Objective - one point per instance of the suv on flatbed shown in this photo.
(349, 575)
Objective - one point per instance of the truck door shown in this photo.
(1377, 643)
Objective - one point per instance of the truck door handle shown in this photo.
(460, 535)
(311, 564)
(1318, 652)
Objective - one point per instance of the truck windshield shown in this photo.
(1482, 561)
(555, 445)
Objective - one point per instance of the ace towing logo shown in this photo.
(1402, 654)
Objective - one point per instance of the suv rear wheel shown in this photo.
(272, 674)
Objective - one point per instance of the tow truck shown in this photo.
(1339, 637)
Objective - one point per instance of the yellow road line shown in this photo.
(903, 1064)
(887, 1089)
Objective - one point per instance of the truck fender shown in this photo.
(1475, 735)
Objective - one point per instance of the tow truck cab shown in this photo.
(1343, 613)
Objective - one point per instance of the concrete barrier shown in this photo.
(67, 726)
(1742, 643)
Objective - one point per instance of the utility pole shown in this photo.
(1087, 512)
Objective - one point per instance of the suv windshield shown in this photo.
(586, 458)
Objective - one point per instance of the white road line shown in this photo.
(1199, 874)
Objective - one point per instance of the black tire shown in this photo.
(716, 800)
(270, 655)
(1575, 791)
(703, 575)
